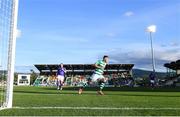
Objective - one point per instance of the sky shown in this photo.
(82, 31)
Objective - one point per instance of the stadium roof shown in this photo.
(175, 65)
(82, 68)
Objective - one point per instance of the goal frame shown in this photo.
(8, 103)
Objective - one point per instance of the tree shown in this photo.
(15, 78)
(34, 75)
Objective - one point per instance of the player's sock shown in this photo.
(58, 85)
(61, 85)
(101, 85)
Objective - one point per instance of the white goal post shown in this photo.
(10, 9)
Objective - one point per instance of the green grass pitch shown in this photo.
(47, 101)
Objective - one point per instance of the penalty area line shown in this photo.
(97, 108)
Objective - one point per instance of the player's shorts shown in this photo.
(95, 77)
(152, 81)
(60, 78)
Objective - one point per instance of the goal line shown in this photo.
(99, 108)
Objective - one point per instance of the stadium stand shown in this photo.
(118, 74)
(173, 73)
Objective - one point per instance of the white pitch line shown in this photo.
(1, 108)
(97, 108)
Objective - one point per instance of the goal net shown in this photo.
(8, 23)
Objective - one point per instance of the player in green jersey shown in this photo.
(98, 75)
